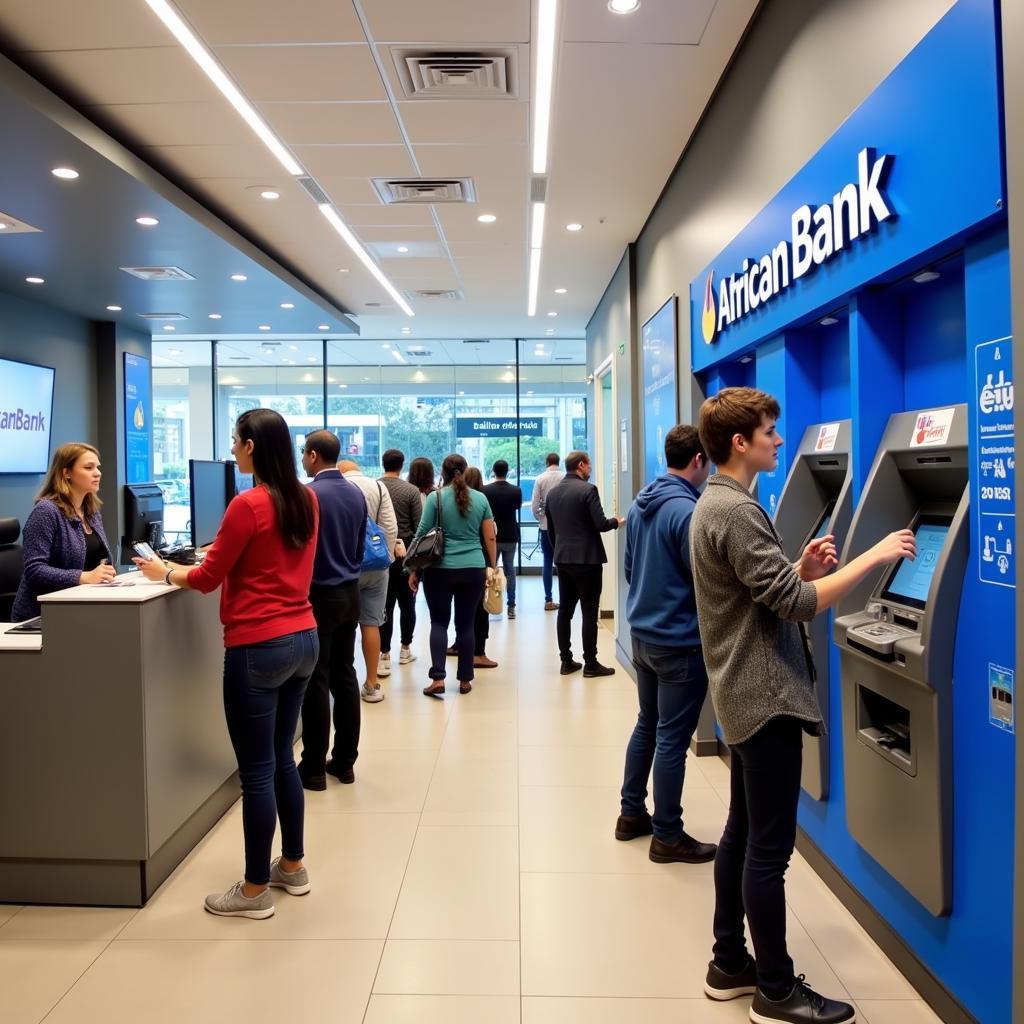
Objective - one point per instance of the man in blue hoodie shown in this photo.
(671, 679)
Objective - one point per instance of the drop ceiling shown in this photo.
(629, 91)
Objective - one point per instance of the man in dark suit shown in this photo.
(575, 522)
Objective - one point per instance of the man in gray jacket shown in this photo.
(751, 603)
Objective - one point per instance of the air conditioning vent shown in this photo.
(476, 341)
(316, 193)
(432, 294)
(419, 353)
(159, 273)
(564, 359)
(240, 359)
(424, 190)
(457, 74)
(163, 316)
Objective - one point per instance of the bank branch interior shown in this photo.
(831, 216)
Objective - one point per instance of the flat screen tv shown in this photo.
(26, 405)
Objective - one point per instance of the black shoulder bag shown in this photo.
(427, 549)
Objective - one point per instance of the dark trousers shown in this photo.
(671, 683)
(578, 584)
(336, 610)
(400, 594)
(549, 561)
(507, 553)
(263, 688)
(444, 587)
(481, 629)
(754, 852)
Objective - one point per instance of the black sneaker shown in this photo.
(633, 827)
(597, 669)
(345, 775)
(684, 851)
(568, 667)
(721, 986)
(802, 1006)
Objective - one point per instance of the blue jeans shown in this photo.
(507, 552)
(549, 561)
(263, 688)
(671, 683)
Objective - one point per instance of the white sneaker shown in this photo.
(405, 656)
(384, 665)
(372, 694)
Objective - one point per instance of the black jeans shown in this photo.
(442, 587)
(337, 617)
(548, 553)
(263, 688)
(578, 584)
(754, 852)
(400, 594)
(481, 629)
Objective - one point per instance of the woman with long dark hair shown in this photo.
(469, 554)
(421, 476)
(262, 558)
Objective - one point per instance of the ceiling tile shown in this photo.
(72, 25)
(399, 235)
(270, 21)
(483, 121)
(344, 190)
(661, 23)
(214, 161)
(377, 214)
(449, 21)
(478, 161)
(419, 252)
(365, 124)
(355, 162)
(304, 72)
(175, 124)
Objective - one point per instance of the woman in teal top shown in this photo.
(461, 574)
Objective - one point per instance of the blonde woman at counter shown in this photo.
(64, 543)
(262, 558)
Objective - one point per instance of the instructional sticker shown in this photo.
(1000, 697)
(932, 427)
(826, 440)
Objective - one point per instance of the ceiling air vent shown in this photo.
(419, 353)
(457, 74)
(476, 341)
(424, 190)
(316, 193)
(159, 273)
(163, 316)
(564, 359)
(431, 294)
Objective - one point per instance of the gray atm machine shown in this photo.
(817, 499)
(895, 633)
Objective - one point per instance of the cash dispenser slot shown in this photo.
(885, 726)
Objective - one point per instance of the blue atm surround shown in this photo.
(897, 344)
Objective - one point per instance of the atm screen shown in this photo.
(821, 526)
(909, 582)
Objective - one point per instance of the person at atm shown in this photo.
(262, 558)
(64, 543)
(751, 603)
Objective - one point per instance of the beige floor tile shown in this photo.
(463, 785)
(571, 766)
(7, 911)
(387, 782)
(34, 975)
(411, 967)
(442, 1010)
(397, 731)
(895, 1011)
(462, 883)
(68, 924)
(356, 864)
(470, 819)
(550, 690)
(572, 830)
(565, 1010)
(577, 727)
(223, 983)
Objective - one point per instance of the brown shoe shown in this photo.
(482, 661)
(551, 606)
(686, 851)
(434, 689)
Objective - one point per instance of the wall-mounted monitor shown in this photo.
(909, 581)
(658, 371)
(26, 405)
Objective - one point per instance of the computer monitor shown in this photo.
(239, 481)
(909, 581)
(210, 496)
(143, 517)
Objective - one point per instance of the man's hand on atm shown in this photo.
(819, 559)
(900, 544)
(103, 573)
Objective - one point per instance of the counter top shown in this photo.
(19, 641)
(138, 590)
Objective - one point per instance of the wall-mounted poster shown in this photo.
(661, 404)
(138, 419)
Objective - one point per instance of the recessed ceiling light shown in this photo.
(312, 359)
(342, 385)
(269, 193)
(487, 218)
(926, 275)
(574, 226)
(385, 345)
(114, 309)
(293, 348)
(462, 392)
(264, 327)
(552, 313)
(35, 280)
(407, 330)
(287, 305)
(147, 222)
(561, 291)
(403, 248)
(550, 330)
(3, 226)
(215, 316)
(67, 173)
(529, 392)
(168, 327)
(239, 277)
(322, 327)
(828, 321)
(237, 386)
(343, 270)
(623, 6)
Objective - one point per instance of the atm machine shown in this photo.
(817, 499)
(896, 633)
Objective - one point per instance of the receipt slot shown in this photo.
(895, 633)
(817, 499)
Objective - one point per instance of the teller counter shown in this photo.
(114, 755)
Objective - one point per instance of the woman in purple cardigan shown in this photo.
(64, 543)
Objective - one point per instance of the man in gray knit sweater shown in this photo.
(751, 603)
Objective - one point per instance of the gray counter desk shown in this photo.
(114, 755)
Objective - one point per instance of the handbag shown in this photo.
(494, 593)
(375, 548)
(428, 548)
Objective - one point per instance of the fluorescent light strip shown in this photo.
(398, 355)
(546, 22)
(537, 227)
(531, 308)
(198, 52)
(353, 243)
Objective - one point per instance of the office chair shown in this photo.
(10, 565)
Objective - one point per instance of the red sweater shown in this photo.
(265, 590)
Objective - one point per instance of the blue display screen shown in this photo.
(911, 580)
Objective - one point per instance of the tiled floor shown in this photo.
(470, 874)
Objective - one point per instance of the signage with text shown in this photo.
(498, 426)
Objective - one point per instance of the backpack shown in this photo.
(375, 548)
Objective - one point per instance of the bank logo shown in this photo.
(709, 318)
(932, 428)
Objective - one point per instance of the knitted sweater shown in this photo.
(750, 603)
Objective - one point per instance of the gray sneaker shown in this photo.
(295, 883)
(234, 903)
(371, 694)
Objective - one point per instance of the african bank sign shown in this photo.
(817, 235)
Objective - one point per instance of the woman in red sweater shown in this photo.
(262, 558)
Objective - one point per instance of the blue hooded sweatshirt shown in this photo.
(661, 607)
